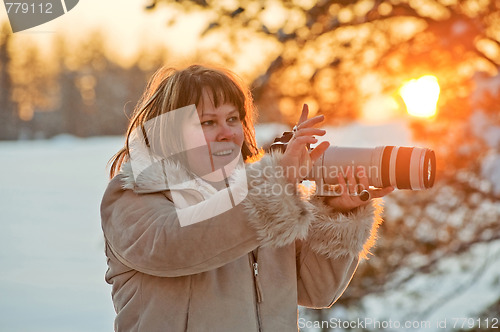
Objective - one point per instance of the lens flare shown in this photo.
(421, 96)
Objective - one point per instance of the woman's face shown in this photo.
(213, 138)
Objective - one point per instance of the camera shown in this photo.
(412, 168)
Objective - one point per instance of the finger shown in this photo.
(378, 193)
(310, 132)
(312, 121)
(304, 114)
(343, 186)
(303, 140)
(298, 143)
(351, 181)
(329, 199)
(362, 178)
(319, 150)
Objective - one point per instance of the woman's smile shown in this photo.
(222, 153)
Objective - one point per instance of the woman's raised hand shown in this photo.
(298, 160)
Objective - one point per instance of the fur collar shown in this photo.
(168, 175)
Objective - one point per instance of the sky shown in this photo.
(129, 29)
(127, 24)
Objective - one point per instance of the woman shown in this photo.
(201, 235)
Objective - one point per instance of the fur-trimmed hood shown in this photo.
(159, 176)
(169, 175)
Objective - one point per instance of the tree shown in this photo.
(8, 115)
(94, 91)
(33, 87)
(324, 49)
(78, 88)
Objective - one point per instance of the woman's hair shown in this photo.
(170, 89)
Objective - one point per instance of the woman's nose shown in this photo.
(225, 133)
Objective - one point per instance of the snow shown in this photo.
(490, 166)
(449, 298)
(459, 287)
(360, 134)
(52, 255)
(483, 127)
(490, 169)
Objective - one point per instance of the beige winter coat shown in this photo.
(246, 269)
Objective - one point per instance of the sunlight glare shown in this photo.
(421, 96)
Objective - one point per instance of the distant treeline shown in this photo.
(78, 91)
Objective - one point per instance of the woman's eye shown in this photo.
(234, 119)
(207, 123)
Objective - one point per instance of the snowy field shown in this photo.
(52, 257)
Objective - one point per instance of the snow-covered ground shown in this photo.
(52, 259)
(449, 298)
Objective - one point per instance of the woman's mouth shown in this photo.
(223, 153)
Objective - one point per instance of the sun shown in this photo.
(421, 96)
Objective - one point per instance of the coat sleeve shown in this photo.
(143, 230)
(328, 258)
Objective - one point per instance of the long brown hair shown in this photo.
(170, 89)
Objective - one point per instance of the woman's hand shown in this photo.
(298, 160)
(350, 188)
